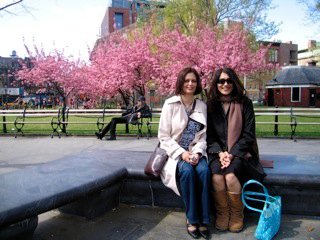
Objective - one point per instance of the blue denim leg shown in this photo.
(195, 189)
(187, 178)
(203, 175)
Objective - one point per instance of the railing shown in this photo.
(60, 118)
(293, 115)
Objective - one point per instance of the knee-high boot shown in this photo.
(223, 210)
(236, 212)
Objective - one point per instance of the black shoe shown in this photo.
(98, 135)
(204, 231)
(195, 233)
(111, 138)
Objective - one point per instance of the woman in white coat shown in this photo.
(182, 134)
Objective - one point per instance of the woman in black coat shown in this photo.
(232, 147)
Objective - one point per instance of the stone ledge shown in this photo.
(101, 180)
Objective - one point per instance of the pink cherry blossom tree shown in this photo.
(52, 72)
(124, 64)
(206, 50)
(127, 62)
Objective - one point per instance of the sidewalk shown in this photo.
(25, 151)
(138, 222)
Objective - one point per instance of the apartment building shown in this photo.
(310, 55)
(123, 13)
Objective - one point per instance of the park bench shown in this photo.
(292, 113)
(31, 116)
(90, 183)
(60, 120)
(101, 116)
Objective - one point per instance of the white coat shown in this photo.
(173, 121)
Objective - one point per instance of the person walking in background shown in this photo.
(232, 147)
(44, 103)
(182, 134)
(37, 103)
(140, 110)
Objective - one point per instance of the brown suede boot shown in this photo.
(223, 211)
(236, 212)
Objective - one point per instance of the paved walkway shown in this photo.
(146, 223)
(136, 222)
(24, 151)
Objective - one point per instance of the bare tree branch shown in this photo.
(10, 4)
(312, 9)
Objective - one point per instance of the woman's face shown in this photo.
(225, 85)
(190, 84)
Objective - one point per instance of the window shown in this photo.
(120, 3)
(118, 20)
(138, 7)
(295, 94)
(293, 55)
(273, 55)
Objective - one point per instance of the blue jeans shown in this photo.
(195, 189)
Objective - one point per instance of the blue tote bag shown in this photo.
(270, 215)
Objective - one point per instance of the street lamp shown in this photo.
(132, 2)
(4, 106)
(6, 95)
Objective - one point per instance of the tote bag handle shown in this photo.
(247, 195)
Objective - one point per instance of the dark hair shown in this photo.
(182, 76)
(238, 93)
(142, 98)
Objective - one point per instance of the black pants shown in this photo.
(113, 125)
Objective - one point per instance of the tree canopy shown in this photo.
(188, 14)
(190, 34)
(131, 62)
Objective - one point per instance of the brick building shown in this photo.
(296, 86)
(280, 54)
(123, 13)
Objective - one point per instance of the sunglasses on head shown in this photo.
(223, 81)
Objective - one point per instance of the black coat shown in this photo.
(217, 134)
(145, 111)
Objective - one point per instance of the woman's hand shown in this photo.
(191, 158)
(195, 158)
(225, 159)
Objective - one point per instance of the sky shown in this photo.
(74, 25)
(295, 26)
(71, 25)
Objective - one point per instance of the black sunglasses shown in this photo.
(223, 81)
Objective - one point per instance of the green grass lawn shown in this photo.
(83, 128)
(285, 130)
